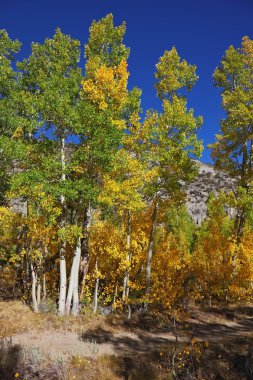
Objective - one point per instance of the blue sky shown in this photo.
(200, 30)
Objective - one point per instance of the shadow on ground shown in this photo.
(227, 358)
(9, 359)
(126, 343)
(224, 351)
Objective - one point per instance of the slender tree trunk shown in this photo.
(21, 271)
(115, 295)
(75, 306)
(85, 249)
(63, 269)
(38, 283)
(85, 267)
(38, 291)
(129, 314)
(151, 248)
(95, 299)
(124, 288)
(44, 281)
(125, 292)
(34, 282)
(241, 215)
(27, 279)
(73, 280)
(23, 277)
(44, 287)
(71, 286)
(63, 285)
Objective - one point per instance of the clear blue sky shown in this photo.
(200, 30)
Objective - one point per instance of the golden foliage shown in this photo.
(106, 87)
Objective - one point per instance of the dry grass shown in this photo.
(27, 363)
(103, 368)
(15, 317)
(137, 367)
(228, 358)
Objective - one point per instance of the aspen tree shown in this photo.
(232, 150)
(169, 139)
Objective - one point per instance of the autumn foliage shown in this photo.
(102, 220)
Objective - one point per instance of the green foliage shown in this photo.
(180, 223)
(52, 76)
(105, 42)
(170, 138)
(233, 151)
(8, 84)
(9, 118)
(173, 75)
(64, 149)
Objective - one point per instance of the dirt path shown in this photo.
(58, 345)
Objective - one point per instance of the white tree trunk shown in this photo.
(63, 284)
(125, 292)
(71, 287)
(63, 273)
(34, 282)
(73, 280)
(95, 299)
(150, 248)
(85, 249)
(38, 282)
(38, 291)
(75, 306)
(44, 288)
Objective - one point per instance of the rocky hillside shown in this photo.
(208, 180)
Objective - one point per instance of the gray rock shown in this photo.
(197, 192)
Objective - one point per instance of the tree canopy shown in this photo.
(103, 220)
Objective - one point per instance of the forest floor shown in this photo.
(209, 343)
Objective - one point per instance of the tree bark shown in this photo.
(38, 291)
(73, 280)
(115, 295)
(151, 248)
(71, 286)
(63, 271)
(44, 288)
(85, 248)
(75, 306)
(241, 215)
(38, 282)
(63, 283)
(125, 292)
(34, 283)
(95, 298)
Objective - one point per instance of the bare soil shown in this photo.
(209, 343)
(93, 343)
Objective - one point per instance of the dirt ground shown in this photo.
(211, 327)
(93, 343)
(209, 343)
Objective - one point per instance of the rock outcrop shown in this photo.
(207, 181)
